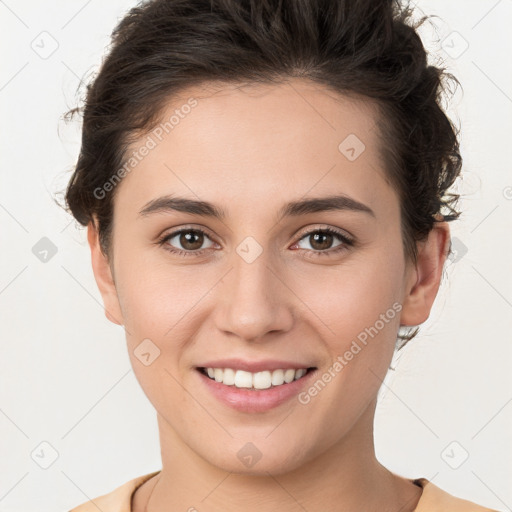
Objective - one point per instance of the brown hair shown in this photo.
(354, 47)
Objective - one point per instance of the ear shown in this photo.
(103, 276)
(425, 277)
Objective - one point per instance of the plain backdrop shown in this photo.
(74, 423)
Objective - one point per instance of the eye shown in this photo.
(321, 241)
(190, 240)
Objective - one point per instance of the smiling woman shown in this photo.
(265, 186)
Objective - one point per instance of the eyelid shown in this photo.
(168, 235)
(301, 234)
(326, 227)
(346, 239)
(185, 227)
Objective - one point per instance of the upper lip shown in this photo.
(254, 366)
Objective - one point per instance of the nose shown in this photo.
(254, 301)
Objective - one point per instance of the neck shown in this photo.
(345, 476)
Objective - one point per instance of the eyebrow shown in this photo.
(292, 209)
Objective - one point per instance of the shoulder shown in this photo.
(435, 499)
(118, 500)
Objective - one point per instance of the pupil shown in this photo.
(325, 236)
(187, 241)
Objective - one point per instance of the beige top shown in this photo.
(433, 499)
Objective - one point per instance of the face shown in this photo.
(265, 273)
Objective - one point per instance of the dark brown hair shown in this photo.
(368, 48)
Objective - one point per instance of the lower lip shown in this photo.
(250, 400)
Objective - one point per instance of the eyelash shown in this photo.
(347, 242)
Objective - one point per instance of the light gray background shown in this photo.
(65, 374)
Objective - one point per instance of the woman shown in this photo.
(265, 186)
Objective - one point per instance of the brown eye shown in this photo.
(320, 240)
(186, 240)
(191, 240)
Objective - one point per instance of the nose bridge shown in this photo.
(254, 299)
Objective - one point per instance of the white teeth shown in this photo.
(262, 380)
(289, 375)
(228, 376)
(258, 380)
(300, 373)
(242, 379)
(277, 377)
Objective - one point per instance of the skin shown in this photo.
(250, 150)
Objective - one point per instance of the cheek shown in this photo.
(167, 303)
(160, 306)
(155, 300)
(360, 303)
(352, 298)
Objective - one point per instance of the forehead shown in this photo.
(223, 141)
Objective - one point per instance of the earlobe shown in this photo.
(425, 278)
(103, 276)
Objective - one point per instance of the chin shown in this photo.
(258, 458)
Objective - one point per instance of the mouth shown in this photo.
(255, 381)
(256, 392)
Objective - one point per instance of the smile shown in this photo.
(254, 392)
(259, 380)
